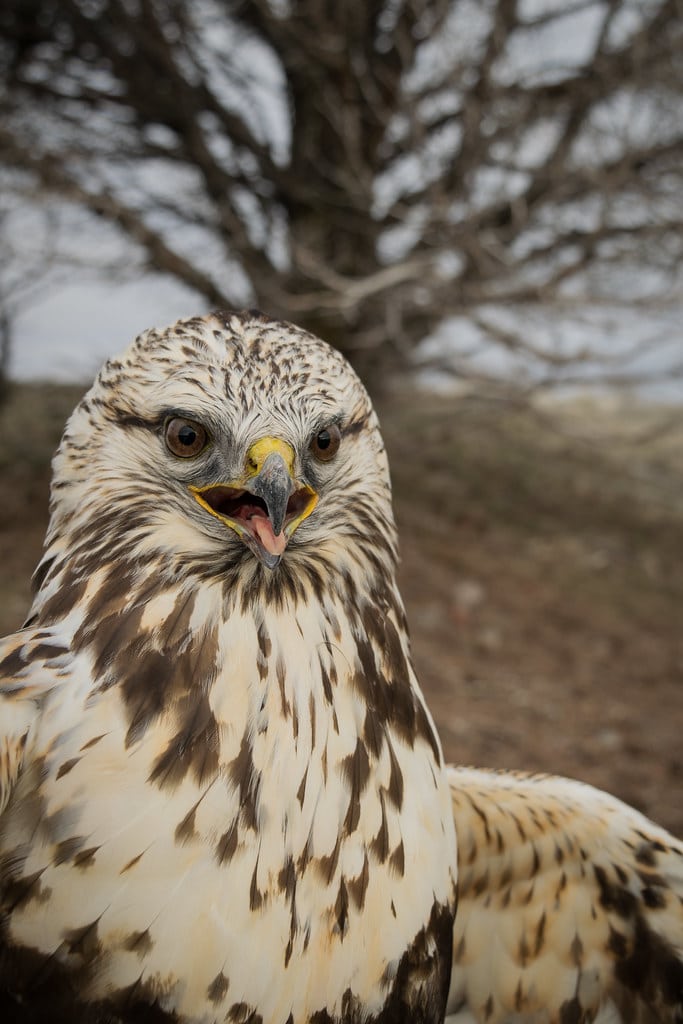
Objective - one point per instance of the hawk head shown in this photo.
(221, 445)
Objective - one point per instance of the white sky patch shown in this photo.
(551, 51)
(66, 334)
(572, 348)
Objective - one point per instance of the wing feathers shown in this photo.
(571, 904)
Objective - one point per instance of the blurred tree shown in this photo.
(22, 271)
(364, 168)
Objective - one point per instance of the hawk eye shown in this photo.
(325, 443)
(185, 438)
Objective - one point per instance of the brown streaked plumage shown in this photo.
(224, 798)
(570, 906)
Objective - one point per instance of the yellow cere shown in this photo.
(261, 449)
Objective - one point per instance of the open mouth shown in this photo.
(243, 507)
(248, 515)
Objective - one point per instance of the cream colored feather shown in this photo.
(570, 905)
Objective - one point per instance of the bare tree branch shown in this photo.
(372, 168)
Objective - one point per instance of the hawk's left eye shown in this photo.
(185, 438)
(325, 444)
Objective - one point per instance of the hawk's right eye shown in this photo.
(325, 444)
(185, 438)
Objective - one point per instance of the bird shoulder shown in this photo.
(30, 660)
(569, 902)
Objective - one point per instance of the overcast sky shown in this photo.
(67, 332)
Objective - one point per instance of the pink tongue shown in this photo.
(264, 531)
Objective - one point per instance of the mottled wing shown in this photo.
(31, 663)
(571, 905)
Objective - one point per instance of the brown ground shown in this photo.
(543, 580)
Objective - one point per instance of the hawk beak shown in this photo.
(264, 506)
(274, 484)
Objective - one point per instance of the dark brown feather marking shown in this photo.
(41, 573)
(327, 865)
(13, 663)
(227, 844)
(397, 861)
(194, 749)
(67, 849)
(185, 829)
(244, 775)
(17, 891)
(358, 886)
(84, 942)
(539, 939)
(612, 896)
(341, 908)
(301, 791)
(571, 1012)
(395, 788)
(287, 878)
(356, 770)
(379, 845)
(264, 649)
(218, 988)
(91, 743)
(66, 767)
(242, 1013)
(67, 596)
(85, 858)
(255, 895)
(422, 978)
(653, 970)
(575, 950)
(139, 942)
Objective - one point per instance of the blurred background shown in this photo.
(481, 204)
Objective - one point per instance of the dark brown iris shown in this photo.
(185, 438)
(325, 444)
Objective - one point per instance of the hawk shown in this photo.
(223, 796)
